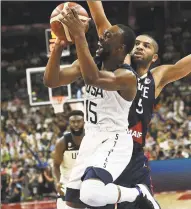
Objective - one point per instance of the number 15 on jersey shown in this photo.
(91, 114)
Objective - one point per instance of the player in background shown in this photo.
(150, 84)
(110, 91)
(65, 154)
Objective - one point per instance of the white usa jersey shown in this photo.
(105, 109)
(69, 158)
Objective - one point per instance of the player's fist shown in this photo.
(60, 188)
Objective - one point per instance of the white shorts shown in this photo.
(107, 151)
(60, 204)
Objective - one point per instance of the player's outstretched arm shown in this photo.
(57, 160)
(54, 76)
(98, 15)
(165, 74)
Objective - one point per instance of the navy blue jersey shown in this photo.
(141, 110)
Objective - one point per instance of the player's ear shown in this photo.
(155, 57)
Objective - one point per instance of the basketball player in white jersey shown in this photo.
(150, 84)
(111, 87)
(65, 154)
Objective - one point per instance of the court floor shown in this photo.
(174, 200)
(167, 200)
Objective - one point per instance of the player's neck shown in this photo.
(141, 70)
(77, 139)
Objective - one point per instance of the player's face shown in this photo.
(76, 124)
(109, 42)
(143, 51)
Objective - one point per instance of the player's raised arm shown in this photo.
(98, 15)
(168, 73)
(54, 76)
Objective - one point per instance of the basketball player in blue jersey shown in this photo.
(150, 84)
(65, 154)
(111, 86)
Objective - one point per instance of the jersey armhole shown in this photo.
(128, 67)
(64, 139)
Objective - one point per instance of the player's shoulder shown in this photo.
(62, 141)
(126, 75)
(126, 69)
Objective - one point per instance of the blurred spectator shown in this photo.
(46, 181)
(179, 110)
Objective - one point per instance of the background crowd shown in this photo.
(26, 163)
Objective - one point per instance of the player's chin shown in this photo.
(138, 58)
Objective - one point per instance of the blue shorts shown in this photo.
(137, 172)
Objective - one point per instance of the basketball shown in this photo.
(60, 29)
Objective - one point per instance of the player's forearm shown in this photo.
(56, 172)
(98, 15)
(183, 66)
(88, 67)
(169, 73)
(94, 6)
(51, 75)
(96, 10)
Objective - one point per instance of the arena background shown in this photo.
(25, 44)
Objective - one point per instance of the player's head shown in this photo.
(76, 121)
(117, 41)
(145, 50)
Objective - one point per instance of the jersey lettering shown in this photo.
(136, 134)
(140, 110)
(94, 91)
(89, 109)
(74, 155)
(143, 89)
(145, 92)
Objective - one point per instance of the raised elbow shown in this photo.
(49, 83)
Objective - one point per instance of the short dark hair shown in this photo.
(76, 112)
(129, 37)
(155, 44)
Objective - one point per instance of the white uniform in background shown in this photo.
(69, 158)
